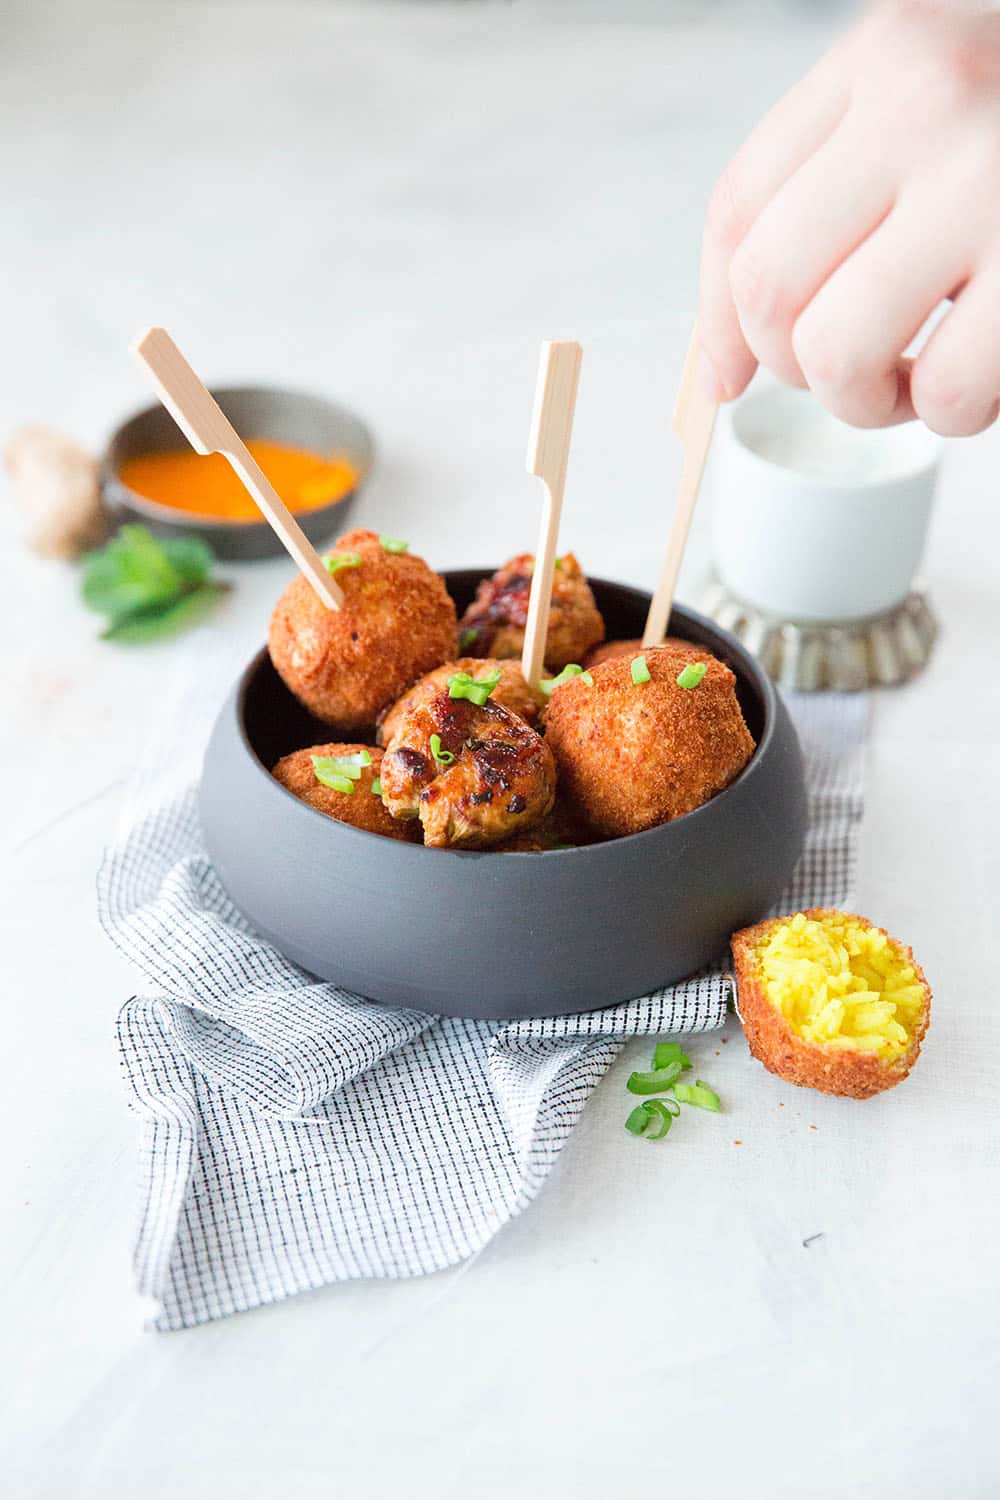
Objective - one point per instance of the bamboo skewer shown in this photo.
(548, 455)
(693, 421)
(209, 430)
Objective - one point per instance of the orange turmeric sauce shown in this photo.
(206, 485)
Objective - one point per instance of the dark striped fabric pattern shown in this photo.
(292, 1134)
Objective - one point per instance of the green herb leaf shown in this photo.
(698, 1094)
(443, 757)
(657, 1081)
(191, 557)
(666, 1053)
(339, 560)
(548, 685)
(159, 621)
(640, 671)
(393, 544)
(691, 675)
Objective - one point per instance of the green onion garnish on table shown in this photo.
(342, 560)
(443, 757)
(640, 671)
(692, 674)
(655, 1082)
(548, 685)
(653, 1119)
(698, 1094)
(476, 689)
(665, 1053)
(393, 544)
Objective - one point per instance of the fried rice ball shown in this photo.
(494, 622)
(830, 1001)
(632, 755)
(472, 774)
(346, 665)
(510, 692)
(610, 649)
(362, 807)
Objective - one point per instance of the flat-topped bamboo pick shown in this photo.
(209, 430)
(693, 421)
(548, 455)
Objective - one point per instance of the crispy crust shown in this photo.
(510, 692)
(499, 612)
(853, 1075)
(610, 649)
(347, 665)
(362, 809)
(631, 757)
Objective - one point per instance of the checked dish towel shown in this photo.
(293, 1134)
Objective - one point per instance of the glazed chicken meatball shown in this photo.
(634, 754)
(346, 665)
(493, 624)
(610, 649)
(510, 692)
(362, 806)
(472, 774)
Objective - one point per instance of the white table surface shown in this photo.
(395, 205)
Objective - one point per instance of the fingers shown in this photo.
(815, 220)
(784, 139)
(955, 381)
(849, 340)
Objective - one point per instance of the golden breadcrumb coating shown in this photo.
(346, 665)
(610, 649)
(362, 807)
(472, 775)
(499, 612)
(830, 1001)
(510, 692)
(631, 756)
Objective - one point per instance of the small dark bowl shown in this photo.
(256, 412)
(500, 935)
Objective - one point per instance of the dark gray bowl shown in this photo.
(501, 935)
(256, 412)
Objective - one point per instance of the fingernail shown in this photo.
(710, 382)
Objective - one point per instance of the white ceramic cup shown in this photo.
(814, 520)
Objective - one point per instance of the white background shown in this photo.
(395, 206)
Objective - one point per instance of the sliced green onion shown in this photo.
(640, 671)
(377, 787)
(328, 771)
(342, 560)
(443, 757)
(548, 685)
(468, 638)
(655, 1082)
(661, 1117)
(346, 767)
(560, 561)
(476, 689)
(393, 544)
(698, 1094)
(692, 674)
(666, 1053)
(638, 1120)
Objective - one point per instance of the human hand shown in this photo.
(869, 194)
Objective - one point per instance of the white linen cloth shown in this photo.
(292, 1134)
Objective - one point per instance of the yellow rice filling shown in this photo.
(841, 984)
